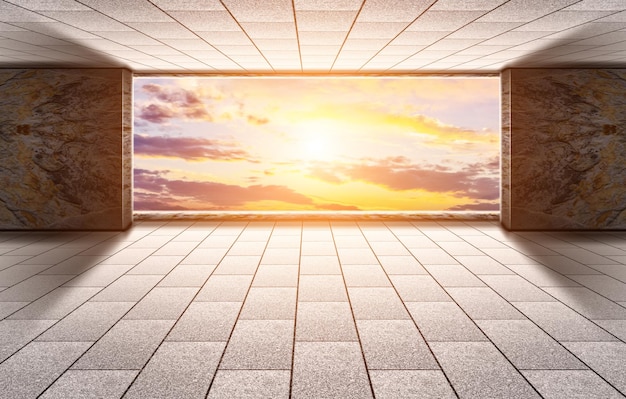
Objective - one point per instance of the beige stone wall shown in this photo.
(564, 153)
(65, 149)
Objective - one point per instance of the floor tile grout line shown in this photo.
(295, 318)
(243, 303)
(356, 327)
(527, 318)
(96, 341)
(384, 225)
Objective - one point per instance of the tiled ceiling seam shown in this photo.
(475, 44)
(295, 21)
(252, 41)
(332, 66)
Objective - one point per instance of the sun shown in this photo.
(318, 139)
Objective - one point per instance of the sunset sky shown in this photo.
(314, 143)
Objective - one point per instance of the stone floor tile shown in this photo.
(319, 265)
(357, 256)
(325, 321)
(30, 371)
(587, 302)
(270, 303)
(248, 248)
(616, 271)
(453, 276)
(478, 369)
(128, 288)
(329, 370)
(156, 265)
(281, 256)
(394, 344)
(260, 345)
(319, 248)
(87, 323)
(250, 384)
(178, 370)
(7, 308)
(176, 248)
(14, 274)
(238, 264)
(9, 260)
(376, 303)
(32, 288)
(392, 247)
(187, 276)
(417, 242)
(585, 257)
(365, 276)
(151, 241)
(443, 321)
(459, 248)
(14, 334)
(322, 288)
(225, 288)
(570, 384)
(564, 265)
(90, 384)
(615, 327)
(561, 322)
(401, 264)
(56, 304)
(127, 346)
(432, 256)
(276, 276)
(128, 256)
(99, 276)
(605, 358)
(483, 303)
(206, 321)
(543, 276)
(527, 346)
(162, 303)
(509, 256)
(52, 256)
(482, 264)
(419, 288)
(410, 384)
(75, 265)
(351, 241)
(206, 256)
(514, 288)
(604, 285)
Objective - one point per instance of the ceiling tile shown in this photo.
(399, 50)
(314, 38)
(328, 5)
(467, 5)
(418, 38)
(393, 10)
(237, 50)
(607, 38)
(325, 20)
(617, 17)
(453, 44)
(189, 5)
(156, 50)
(277, 44)
(593, 5)
(19, 46)
(225, 37)
(188, 44)
(206, 20)
(588, 30)
(561, 20)
(56, 29)
(134, 37)
(443, 20)
(163, 30)
(270, 30)
(319, 50)
(483, 30)
(129, 11)
(376, 30)
(480, 50)
(251, 11)
(519, 10)
(12, 13)
(50, 5)
(87, 20)
(101, 44)
(513, 38)
(364, 44)
(32, 38)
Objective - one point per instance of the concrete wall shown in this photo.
(564, 149)
(65, 149)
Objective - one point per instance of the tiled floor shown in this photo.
(313, 309)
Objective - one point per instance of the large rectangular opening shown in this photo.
(316, 143)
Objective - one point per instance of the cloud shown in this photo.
(166, 102)
(215, 194)
(255, 120)
(151, 202)
(188, 148)
(398, 174)
(338, 207)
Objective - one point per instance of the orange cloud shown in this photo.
(188, 148)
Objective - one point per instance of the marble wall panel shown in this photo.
(567, 140)
(65, 149)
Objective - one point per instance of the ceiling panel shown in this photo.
(275, 36)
